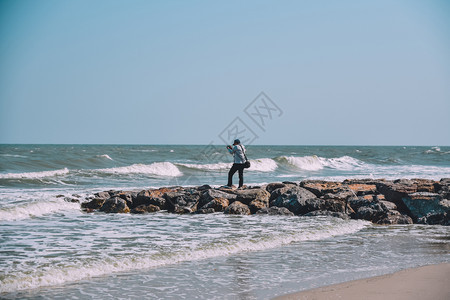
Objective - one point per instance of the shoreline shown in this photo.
(426, 282)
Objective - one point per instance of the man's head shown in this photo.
(236, 142)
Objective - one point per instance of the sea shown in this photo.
(51, 249)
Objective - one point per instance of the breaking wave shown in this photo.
(35, 175)
(157, 168)
(35, 209)
(314, 163)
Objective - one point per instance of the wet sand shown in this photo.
(428, 282)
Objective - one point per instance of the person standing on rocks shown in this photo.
(238, 152)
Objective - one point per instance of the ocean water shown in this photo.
(51, 249)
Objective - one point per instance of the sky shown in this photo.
(181, 72)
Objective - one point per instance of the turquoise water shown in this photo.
(50, 249)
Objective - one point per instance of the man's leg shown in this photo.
(241, 175)
(233, 170)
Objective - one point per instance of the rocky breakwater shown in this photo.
(403, 201)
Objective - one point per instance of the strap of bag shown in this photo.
(243, 152)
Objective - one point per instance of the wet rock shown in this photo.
(362, 189)
(211, 194)
(394, 192)
(143, 209)
(423, 204)
(182, 202)
(102, 195)
(247, 196)
(298, 200)
(326, 213)
(71, 199)
(273, 186)
(435, 219)
(274, 210)
(394, 217)
(128, 197)
(95, 203)
(204, 187)
(217, 204)
(389, 205)
(258, 204)
(237, 208)
(320, 187)
(373, 212)
(205, 211)
(115, 205)
(443, 188)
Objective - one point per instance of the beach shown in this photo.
(428, 282)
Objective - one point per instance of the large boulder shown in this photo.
(394, 217)
(217, 204)
(185, 201)
(320, 187)
(211, 194)
(95, 203)
(115, 205)
(424, 204)
(237, 208)
(250, 195)
(273, 186)
(443, 188)
(143, 209)
(298, 200)
(274, 210)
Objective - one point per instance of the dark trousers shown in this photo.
(234, 168)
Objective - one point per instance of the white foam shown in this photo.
(157, 168)
(34, 175)
(263, 165)
(83, 270)
(35, 209)
(314, 163)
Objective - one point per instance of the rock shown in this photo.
(102, 195)
(204, 187)
(423, 204)
(72, 200)
(217, 204)
(115, 205)
(362, 189)
(274, 210)
(443, 187)
(142, 209)
(211, 194)
(247, 196)
(258, 204)
(290, 183)
(237, 208)
(298, 200)
(273, 186)
(374, 211)
(277, 193)
(394, 217)
(128, 197)
(182, 201)
(95, 203)
(389, 205)
(436, 219)
(205, 211)
(394, 192)
(320, 187)
(326, 213)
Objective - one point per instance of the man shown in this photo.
(238, 152)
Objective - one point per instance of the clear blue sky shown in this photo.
(178, 72)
